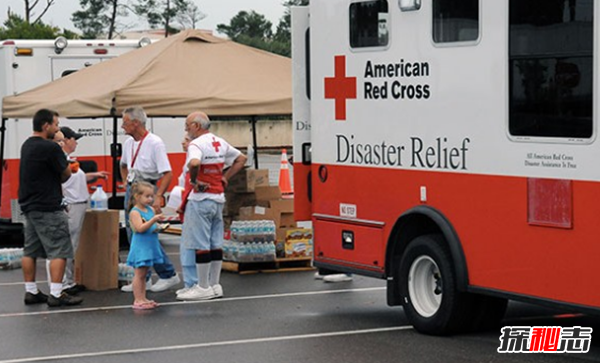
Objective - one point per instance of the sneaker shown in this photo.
(129, 288)
(38, 298)
(63, 300)
(197, 293)
(217, 291)
(165, 284)
(337, 278)
(318, 276)
(75, 289)
(183, 290)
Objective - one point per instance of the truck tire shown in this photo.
(428, 289)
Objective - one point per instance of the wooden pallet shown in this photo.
(279, 265)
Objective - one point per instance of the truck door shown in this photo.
(301, 113)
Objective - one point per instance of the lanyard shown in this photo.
(134, 156)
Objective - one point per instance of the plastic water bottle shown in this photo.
(99, 199)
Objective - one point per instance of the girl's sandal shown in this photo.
(144, 306)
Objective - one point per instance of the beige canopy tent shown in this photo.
(173, 77)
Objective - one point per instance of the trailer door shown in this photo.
(301, 113)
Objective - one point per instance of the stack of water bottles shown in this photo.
(251, 241)
(125, 274)
(10, 258)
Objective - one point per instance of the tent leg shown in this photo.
(2, 131)
(253, 122)
(115, 153)
(114, 158)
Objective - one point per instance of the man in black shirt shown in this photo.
(43, 167)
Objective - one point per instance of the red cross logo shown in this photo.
(340, 87)
(216, 144)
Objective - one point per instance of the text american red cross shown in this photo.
(340, 87)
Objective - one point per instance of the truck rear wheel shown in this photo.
(428, 288)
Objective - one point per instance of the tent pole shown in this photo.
(115, 153)
(2, 131)
(253, 122)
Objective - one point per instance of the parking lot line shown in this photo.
(207, 345)
(227, 299)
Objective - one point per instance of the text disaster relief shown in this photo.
(440, 155)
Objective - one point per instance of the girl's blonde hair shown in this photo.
(138, 188)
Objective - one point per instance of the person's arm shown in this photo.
(193, 168)
(96, 174)
(163, 184)
(124, 172)
(138, 224)
(238, 164)
(65, 175)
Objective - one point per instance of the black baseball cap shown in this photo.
(70, 134)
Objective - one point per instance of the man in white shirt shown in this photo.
(145, 158)
(207, 156)
(76, 195)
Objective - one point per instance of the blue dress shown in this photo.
(145, 249)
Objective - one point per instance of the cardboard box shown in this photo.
(234, 201)
(267, 193)
(282, 205)
(299, 243)
(97, 257)
(287, 220)
(257, 214)
(246, 180)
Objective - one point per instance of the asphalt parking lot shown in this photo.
(270, 317)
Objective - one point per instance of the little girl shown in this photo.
(145, 248)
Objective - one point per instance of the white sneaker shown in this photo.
(197, 293)
(318, 276)
(129, 288)
(337, 278)
(217, 290)
(181, 291)
(164, 284)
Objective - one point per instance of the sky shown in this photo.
(217, 11)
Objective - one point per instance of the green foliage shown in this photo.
(98, 17)
(15, 27)
(253, 29)
(248, 24)
(161, 12)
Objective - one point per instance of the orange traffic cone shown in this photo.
(284, 175)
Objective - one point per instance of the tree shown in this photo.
(249, 24)
(189, 18)
(30, 6)
(253, 29)
(284, 28)
(16, 27)
(98, 17)
(161, 12)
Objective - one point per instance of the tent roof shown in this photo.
(173, 77)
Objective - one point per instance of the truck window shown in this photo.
(369, 24)
(455, 20)
(67, 72)
(551, 68)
